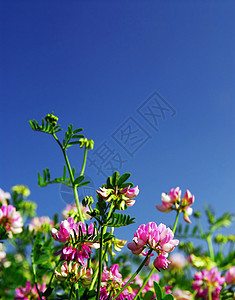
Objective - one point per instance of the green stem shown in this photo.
(144, 283)
(84, 162)
(100, 263)
(176, 221)
(94, 279)
(133, 276)
(71, 178)
(210, 246)
(34, 273)
(209, 293)
(71, 292)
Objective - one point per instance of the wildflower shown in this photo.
(208, 281)
(158, 238)
(28, 292)
(74, 273)
(230, 275)
(182, 295)
(130, 193)
(111, 283)
(178, 261)
(21, 189)
(120, 198)
(41, 224)
(173, 201)
(4, 196)
(11, 220)
(78, 239)
(72, 211)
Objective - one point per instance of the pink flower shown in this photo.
(11, 220)
(130, 193)
(40, 224)
(230, 275)
(111, 282)
(186, 203)
(28, 292)
(205, 279)
(178, 261)
(169, 200)
(158, 238)
(71, 211)
(161, 262)
(69, 233)
(66, 231)
(173, 201)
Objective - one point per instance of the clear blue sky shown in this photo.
(97, 64)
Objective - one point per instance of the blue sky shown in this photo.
(102, 65)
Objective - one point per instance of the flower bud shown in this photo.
(50, 118)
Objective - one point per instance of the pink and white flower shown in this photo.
(182, 295)
(28, 292)
(40, 223)
(158, 238)
(173, 201)
(69, 233)
(11, 220)
(111, 283)
(230, 275)
(208, 281)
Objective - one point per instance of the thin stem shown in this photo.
(176, 221)
(209, 293)
(133, 276)
(210, 246)
(100, 263)
(144, 283)
(71, 292)
(84, 162)
(71, 178)
(35, 279)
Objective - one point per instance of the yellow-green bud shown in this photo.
(50, 118)
(21, 189)
(221, 239)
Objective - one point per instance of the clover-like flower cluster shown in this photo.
(208, 281)
(120, 198)
(78, 240)
(158, 238)
(173, 201)
(11, 220)
(111, 283)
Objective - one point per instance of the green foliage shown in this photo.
(45, 127)
(119, 220)
(3, 233)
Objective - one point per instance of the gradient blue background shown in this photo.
(94, 63)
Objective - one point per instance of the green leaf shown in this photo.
(123, 178)
(168, 297)
(79, 179)
(48, 291)
(109, 182)
(78, 130)
(148, 295)
(119, 220)
(77, 136)
(83, 183)
(158, 290)
(224, 221)
(115, 178)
